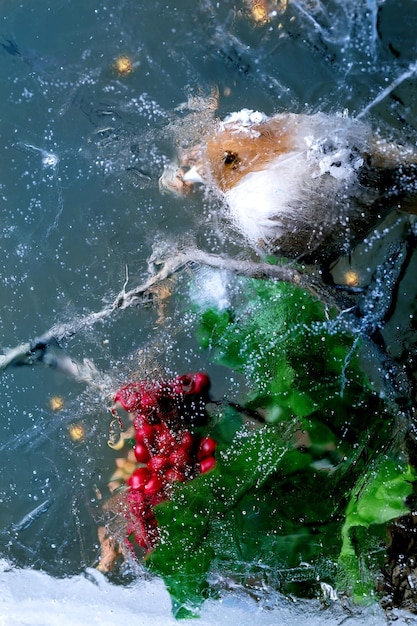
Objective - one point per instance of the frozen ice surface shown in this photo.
(210, 288)
(29, 597)
(32, 598)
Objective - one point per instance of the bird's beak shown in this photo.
(193, 176)
(178, 181)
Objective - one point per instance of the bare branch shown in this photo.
(34, 352)
(194, 256)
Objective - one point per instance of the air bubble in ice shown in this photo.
(49, 159)
(211, 289)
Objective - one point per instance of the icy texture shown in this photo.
(83, 150)
(30, 598)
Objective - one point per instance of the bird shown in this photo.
(301, 186)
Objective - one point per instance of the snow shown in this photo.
(33, 598)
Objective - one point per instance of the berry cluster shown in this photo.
(165, 449)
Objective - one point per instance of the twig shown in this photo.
(194, 256)
(36, 351)
(45, 349)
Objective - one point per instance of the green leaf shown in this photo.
(281, 338)
(297, 490)
(379, 497)
(189, 522)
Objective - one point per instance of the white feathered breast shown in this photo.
(303, 186)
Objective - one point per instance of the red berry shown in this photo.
(145, 433)
(147, 400)
(129, 396)
(153, 486)
(165, 442)
(207, 464)
(163, 446)
(158, 463)
(180, 384)
(207, 447)
(180, 458)
(187, 440)
(139, 478)
(174, 475)
(141, 541)
(200, 384)
(141, 453)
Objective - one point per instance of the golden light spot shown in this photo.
(351, 278)
(123, 65)
(56, 403)
(260, 13)
(76, 432)
(263, 10)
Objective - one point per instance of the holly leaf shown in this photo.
(379, 497)
(294, 355)
(189, 522)
(281, 496)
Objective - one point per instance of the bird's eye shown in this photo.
(230, 158)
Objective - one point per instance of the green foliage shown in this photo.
(296, 359)
(379, 497)
(313, 485)
(189, 521)
(236, 519)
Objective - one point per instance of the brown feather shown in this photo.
(232, 154)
